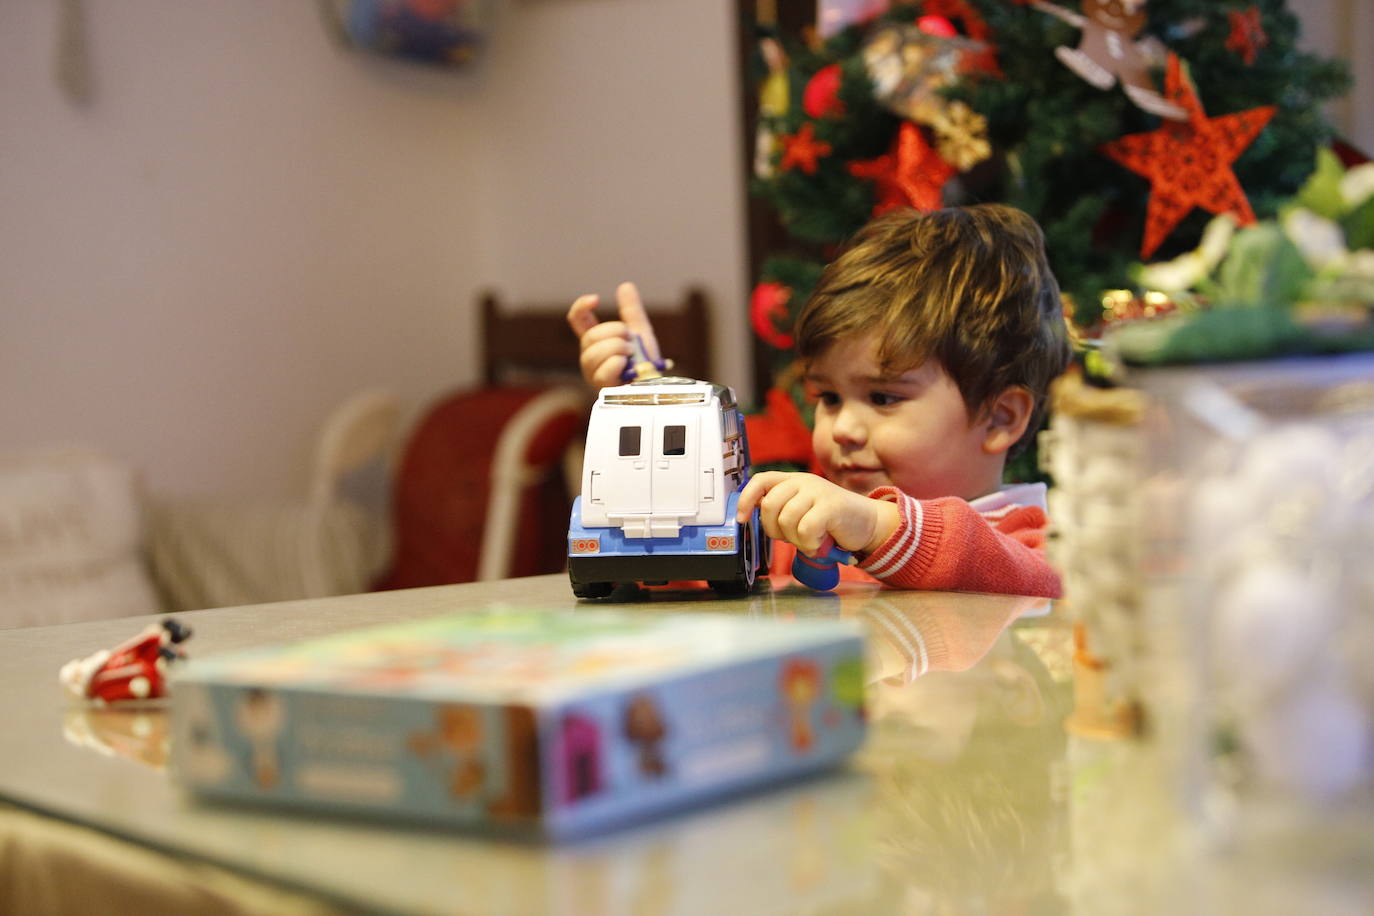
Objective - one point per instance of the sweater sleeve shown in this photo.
(947, 544)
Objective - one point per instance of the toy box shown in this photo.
(553, 723)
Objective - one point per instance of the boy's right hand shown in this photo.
(810, 512)
(605, 345)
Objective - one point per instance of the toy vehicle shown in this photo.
(134, 670)
(666, 459)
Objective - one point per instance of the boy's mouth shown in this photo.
(858, 473)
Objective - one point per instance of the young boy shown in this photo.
(929, 346)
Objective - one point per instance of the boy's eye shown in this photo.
(828, 398)
(883, 399)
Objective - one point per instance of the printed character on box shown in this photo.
(456, 745)
(645, 729)
(582, 762)
(261, 718)
(136, 669)
(801, 687)
(928, 347)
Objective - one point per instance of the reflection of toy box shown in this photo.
(561, 723)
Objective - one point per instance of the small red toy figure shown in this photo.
(136, 669)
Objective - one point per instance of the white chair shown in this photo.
(359, 435)
(331, 541)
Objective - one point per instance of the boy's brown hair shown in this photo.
(968, 286)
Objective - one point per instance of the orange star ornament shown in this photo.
(1189, 162)
(802, 150)
(1247, 34)
(911, 174)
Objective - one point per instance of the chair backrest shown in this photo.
(345, 525)
(478, 491)
(525, 343)
(358, 431)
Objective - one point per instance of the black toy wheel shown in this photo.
(593, 589)
(743, 582)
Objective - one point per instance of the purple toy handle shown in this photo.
(639, 357)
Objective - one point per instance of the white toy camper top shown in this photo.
(661, 453)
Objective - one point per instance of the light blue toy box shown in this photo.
(553, 723)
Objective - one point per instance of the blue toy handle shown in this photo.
(821, 573)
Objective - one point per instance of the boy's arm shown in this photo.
(947, 544)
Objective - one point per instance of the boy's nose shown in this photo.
(850, 428)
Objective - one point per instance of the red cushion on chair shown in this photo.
(444, 484)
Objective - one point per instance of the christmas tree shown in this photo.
(1121, 134)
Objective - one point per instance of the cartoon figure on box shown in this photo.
(261, 718)
(644, 727)
(581, 757)
(459, 732)
(136, 669)
(801, 687)
(665, 461)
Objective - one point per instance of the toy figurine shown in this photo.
(136, 669)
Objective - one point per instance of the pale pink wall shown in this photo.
(248, 223)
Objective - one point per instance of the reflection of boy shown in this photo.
(937, 631)
(929, 346)
(971, 820)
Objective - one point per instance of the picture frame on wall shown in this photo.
(440, 33)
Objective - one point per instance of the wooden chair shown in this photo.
(533, 342)
(489, 474)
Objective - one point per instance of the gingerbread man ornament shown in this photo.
(1108, 51)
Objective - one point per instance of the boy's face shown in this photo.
(912, 431)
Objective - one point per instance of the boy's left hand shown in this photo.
(804, 510)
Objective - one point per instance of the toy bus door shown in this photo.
(675, 461)
(624, 489)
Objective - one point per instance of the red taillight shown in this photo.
(585, 545)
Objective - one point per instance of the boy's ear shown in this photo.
(1005, 419)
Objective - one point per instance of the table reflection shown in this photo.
(139, 733)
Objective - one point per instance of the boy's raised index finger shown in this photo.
(636, 318)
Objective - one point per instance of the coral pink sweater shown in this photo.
(994, 544)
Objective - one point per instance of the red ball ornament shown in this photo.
(938, 26)
(821, 98)
(767, 305)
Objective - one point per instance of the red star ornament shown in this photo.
(802, 150)
(1189, 162)
(911, 174)
(1247, 34)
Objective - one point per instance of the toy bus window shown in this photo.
(674, 440)
(629, 441)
